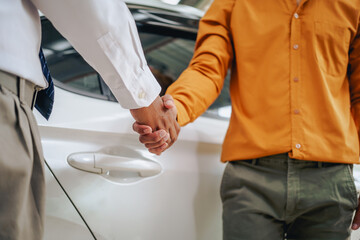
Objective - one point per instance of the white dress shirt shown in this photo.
(103, 32)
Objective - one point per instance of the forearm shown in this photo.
(104, 33)
(193, 93)
(201, 83)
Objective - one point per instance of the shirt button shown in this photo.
(141, 95)
(296, 15)
(298, 146)
(296, 79)
(296, 46)
(296, 111)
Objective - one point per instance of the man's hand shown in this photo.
(356, 221)
(160, 116)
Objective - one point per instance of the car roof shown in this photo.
(179, 8)
(157, 17)
(184, 9)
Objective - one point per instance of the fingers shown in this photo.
(160, 117)
(159, 143)
(156, 142)
(356, 221)
(155, 137)
(174, 133)
(158, 150)
(168, 101)
(141, 129)
(172, 126)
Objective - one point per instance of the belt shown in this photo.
(24, 89)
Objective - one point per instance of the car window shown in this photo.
(167, 57)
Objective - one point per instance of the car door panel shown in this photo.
(62, 221)
(180, 202)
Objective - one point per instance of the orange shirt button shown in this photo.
(296, 79)
(296, 46)
(296, 111)
(296, 15)
(298, 146)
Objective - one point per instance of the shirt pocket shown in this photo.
(331, 48)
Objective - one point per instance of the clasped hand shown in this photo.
(157, 124)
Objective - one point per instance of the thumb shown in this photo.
(168, 101)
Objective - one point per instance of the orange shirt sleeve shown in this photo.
(354, 78)
(200, 84)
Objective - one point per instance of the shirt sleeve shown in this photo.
(105, 34)
(354, 77)
(200, 84)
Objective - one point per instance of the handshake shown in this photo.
(157, 124)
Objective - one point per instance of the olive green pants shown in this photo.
(22, 183)
(277, 197)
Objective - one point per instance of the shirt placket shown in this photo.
(297, 143)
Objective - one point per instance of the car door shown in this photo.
(62, 220)
(120, 190)
(180, 201)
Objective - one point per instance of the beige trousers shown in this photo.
(22, 184)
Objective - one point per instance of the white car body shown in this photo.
(182, 202)
(131, 194)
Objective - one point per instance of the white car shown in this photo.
(101, 182)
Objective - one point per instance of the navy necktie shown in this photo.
(45, 98)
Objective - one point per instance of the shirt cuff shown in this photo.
(142, 91)
(182, 116)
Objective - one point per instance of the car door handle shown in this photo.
(103, 163)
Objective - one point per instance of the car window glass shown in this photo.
(167, 57)
(66, 66)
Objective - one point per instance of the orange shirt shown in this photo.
(295, 77)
